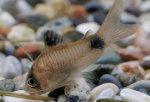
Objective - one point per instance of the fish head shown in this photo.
(42, 81)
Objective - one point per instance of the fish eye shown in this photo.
(32, 82)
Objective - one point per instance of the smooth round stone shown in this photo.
(45, 10)
(78, 88)
(21, 33)
(72, 36)
(78, 12)
(31, 49)
(36, 21)
(145, 26)
(106, 4)
(130, 95)
(99, 16)
(62, 98)
(2, 56)
(129, 18)
(107, 90)
(142, 90)
(130, 53)
(10, 67)
(26, 64)
(109, 79)
(108, 100)
(143, 84)
(24, 9)
(90, 26)
(73, 99)
(145, 6)
(129, 67)
(127, 78)
(7, 85)
(109, 57)
(35, 2)
(14, 99)
(59, 24)
(20, 81)
(144, 17)
(9, 48)
(92, 7)
(79, 1)
(7, 19)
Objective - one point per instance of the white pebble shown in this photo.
(10, 67)
(84, 27)
(14, 99)
(107, 90)
(130, 95)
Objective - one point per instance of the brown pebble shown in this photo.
(130, 54)
(22, 51)
(77, 11)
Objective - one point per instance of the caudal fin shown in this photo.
(112, 29)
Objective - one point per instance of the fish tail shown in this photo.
(112, 29)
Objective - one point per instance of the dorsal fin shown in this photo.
(112, 30)
(51, 38)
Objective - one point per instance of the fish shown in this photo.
(61, 63)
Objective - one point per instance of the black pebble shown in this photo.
(36, 21)
(73, 99)
(56, 93)
(100, 16)
(34, 2)
(109, 79)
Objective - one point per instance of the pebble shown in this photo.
(108, 100)
(62, 98)
(20, 81)
(130, 53)
(31, 49)
(85, 27)
(49, 12)
(129, 18)
(26, 64)
(144, 7)
(106, 78)
(9, 49)
(142, 84)
(92, 7)
(21, 33)
(36, 21)
(78, 88)
(130, 67)
(130, 95)
(59, 24)
(71, 36)
(7, 85)
(7, 19)
(14, 99)
(127, 78)
(99, 16)
(34, 2)
(107, 90)
(10, 67)
(109, 57)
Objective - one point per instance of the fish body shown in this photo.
(60, 63)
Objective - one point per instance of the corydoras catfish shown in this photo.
(60, 63)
